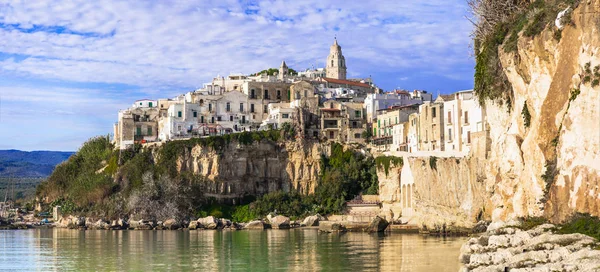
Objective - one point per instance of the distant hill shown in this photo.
(34, 164)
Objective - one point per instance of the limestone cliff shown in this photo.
(433, 192)
(552, 167)
(254, 169)
(544, 164)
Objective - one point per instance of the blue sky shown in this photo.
(67, 67)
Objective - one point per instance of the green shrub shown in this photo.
(532, 222)
(549, 176)
(386, 161)
(433, 162)
(557, 34)
(595, 82)
(574, 94)
(582, 223)
(526, 115)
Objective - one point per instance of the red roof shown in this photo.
(345, 82)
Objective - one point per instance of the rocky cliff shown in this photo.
(255, 169)
(540, 152)
(435, 193)
(551, 165)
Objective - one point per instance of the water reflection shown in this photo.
(287, 250)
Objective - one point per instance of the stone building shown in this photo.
(387, 118)
(137, 124)
(336, 63)
(431, 127)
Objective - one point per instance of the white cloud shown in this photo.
(163, 48)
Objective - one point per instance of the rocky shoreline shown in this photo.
(539, 249)
(378, 224)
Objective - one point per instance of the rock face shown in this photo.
(280, 222)
(254, 169)
(550, 168)
(560, 148)
(430, 193)
(378, 224)
(538, 249)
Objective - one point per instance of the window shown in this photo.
(195, 114)
(179, 114)
(241, 107)
(201, 102)
(285, 115)
(357, 135)
(219, 118)
(149, 131)
(140, 103)
(179, 128)
(231, 118)
(228, 107)
(266, 94)
(209, 107)
(251, 107)
(449, 117)
(331, 63)
(396, 120)
(150, 104)
(432, 112)
(252, 95)
(278, 94)
(331, 105)
(357, 114)
(201, 119)
(354, 124)
(212, 119)
(138, 130)
(466, 117)
(265, 108)
(449, 135)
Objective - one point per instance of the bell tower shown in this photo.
(283, 70)
(336, 63)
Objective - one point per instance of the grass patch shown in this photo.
(549, 176)
(582, 223)
(528, 223)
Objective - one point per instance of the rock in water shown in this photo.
(255, 225)
(193, 225)
(377, 225)
(310, 221)
(209, 222)
(171, 224)
(280, 222)
(329, 226)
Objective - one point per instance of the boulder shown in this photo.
(225, 223)
(310, 221)
(101, 224)
(209, 222)
(122, 223)
(237, 226)
(331, 226)
(255, 225)
(159, 225)
(193, 225)
(378, 224)
(171, 224)
(280, 222)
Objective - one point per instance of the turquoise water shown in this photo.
(204, 250)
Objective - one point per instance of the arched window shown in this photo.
(331, 63)
(201, 102)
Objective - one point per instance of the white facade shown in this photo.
(145, 103)
(312, 73)
(375, 102)
(397, 136)
(462, 117)
(279, 113)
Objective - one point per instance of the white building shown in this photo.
(279, 113)
(375, 102)
(399, 140)
(462, 117)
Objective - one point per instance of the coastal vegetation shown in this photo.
(583, 223)
(498, 24)
(146, 182)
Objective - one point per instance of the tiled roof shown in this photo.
(346, 82)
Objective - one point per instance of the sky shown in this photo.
(68, 67)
